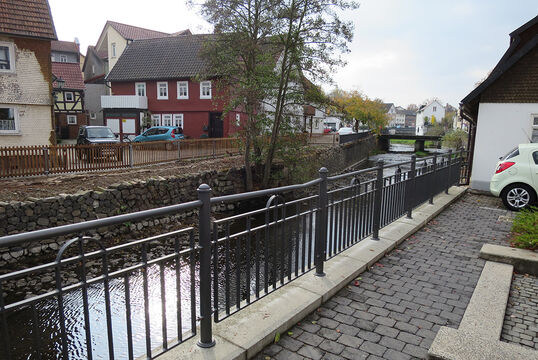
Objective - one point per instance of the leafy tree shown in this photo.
(359, 109)
(412, 107)
(456, 139)
(265, 49)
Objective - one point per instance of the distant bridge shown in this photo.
(383, 140)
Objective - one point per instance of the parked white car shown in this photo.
(345, 131)
(516, 177)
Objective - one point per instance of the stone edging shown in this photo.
(524, 261)
(244, 334)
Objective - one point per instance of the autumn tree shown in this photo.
(360, 109)
(267, 50)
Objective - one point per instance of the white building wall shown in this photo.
(501, 127)
(114, 37)
(28, 91)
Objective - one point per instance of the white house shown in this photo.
(434, 110)
(503, 109)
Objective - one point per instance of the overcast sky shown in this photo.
(402, 52)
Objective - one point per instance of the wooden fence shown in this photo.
(43, 160)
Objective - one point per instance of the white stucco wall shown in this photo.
(501, 127)
(114, 37)
(427, 111)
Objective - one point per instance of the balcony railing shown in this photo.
(124, 102)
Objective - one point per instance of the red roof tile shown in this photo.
(134, 32)
(70, 72)
(65, 46)
(30, 18)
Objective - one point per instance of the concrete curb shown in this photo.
(524, 261)
(244, 334)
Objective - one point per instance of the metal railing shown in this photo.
(143, 297)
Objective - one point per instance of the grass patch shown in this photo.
(402, 141)
(525, 229)
(377, 152)
(421, 154)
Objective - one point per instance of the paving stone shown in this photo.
(397, 308)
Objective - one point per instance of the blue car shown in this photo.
(160, 133)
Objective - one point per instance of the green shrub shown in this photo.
(455, 139)
(525, 229)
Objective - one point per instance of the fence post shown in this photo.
(204, 243)
(434, 176)
(377, 200)
(449, 174)
(46, 160)
(320, 249)
(179, 150)
(214, 147)
(131, 160)
(410, 189)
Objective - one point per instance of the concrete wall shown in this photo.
(501, 127)
(27, 89)
(131, 196)
(92, 102)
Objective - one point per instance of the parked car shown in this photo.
(345, 131)
(98, 137)
(516, 177)
(160, 133)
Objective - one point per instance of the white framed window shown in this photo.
(534, 135)
(167, 120)
(113, 47)
(63, 58)
(162, 90)
(156, 120)
(7, 57)
(182, 89)
(205, 90)
(140, 88)
(68, 96)
(434, 108)
(71, 119)
(237, 120)
(178, 120)
(93, 116)
(93, 69)
(9, 119)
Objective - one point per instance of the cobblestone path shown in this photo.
(521, 318)
(394, 310)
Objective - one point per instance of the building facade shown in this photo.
(428, 113)
(26, 31)
(503, 110)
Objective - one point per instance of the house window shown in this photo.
(434, 108)
(178, 120)
(113, 45)
(156, 120)
(71, 119)
(8, 120)
(162, 91)
(167, 119)
(63, 58)
(205, 90)
(7, 57)
(140, 88)
(182, 89)
(93, 69)
(93, 116)
(237, 120)
(535, 128)
(68, 96)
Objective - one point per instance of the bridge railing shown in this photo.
(145, 296)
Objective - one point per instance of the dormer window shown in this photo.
(63, 58)
(7, 57)
(205, 90)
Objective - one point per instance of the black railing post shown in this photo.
(320, 249)
(179, 150)
(434, 177)
(410, 188)
(449, 179)
(377, 200)
(204, 220)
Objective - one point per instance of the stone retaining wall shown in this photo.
(132, 196)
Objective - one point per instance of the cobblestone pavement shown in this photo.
(521, 318)
(394, 310)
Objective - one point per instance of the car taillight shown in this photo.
(173, 133)
(503, 166)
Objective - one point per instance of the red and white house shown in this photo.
(154, 83)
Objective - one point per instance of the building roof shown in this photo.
(27, 18)
(70, 72)
(388, 106)
(64, 46)
(522, 41)
(130, 32)
(160, 59)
